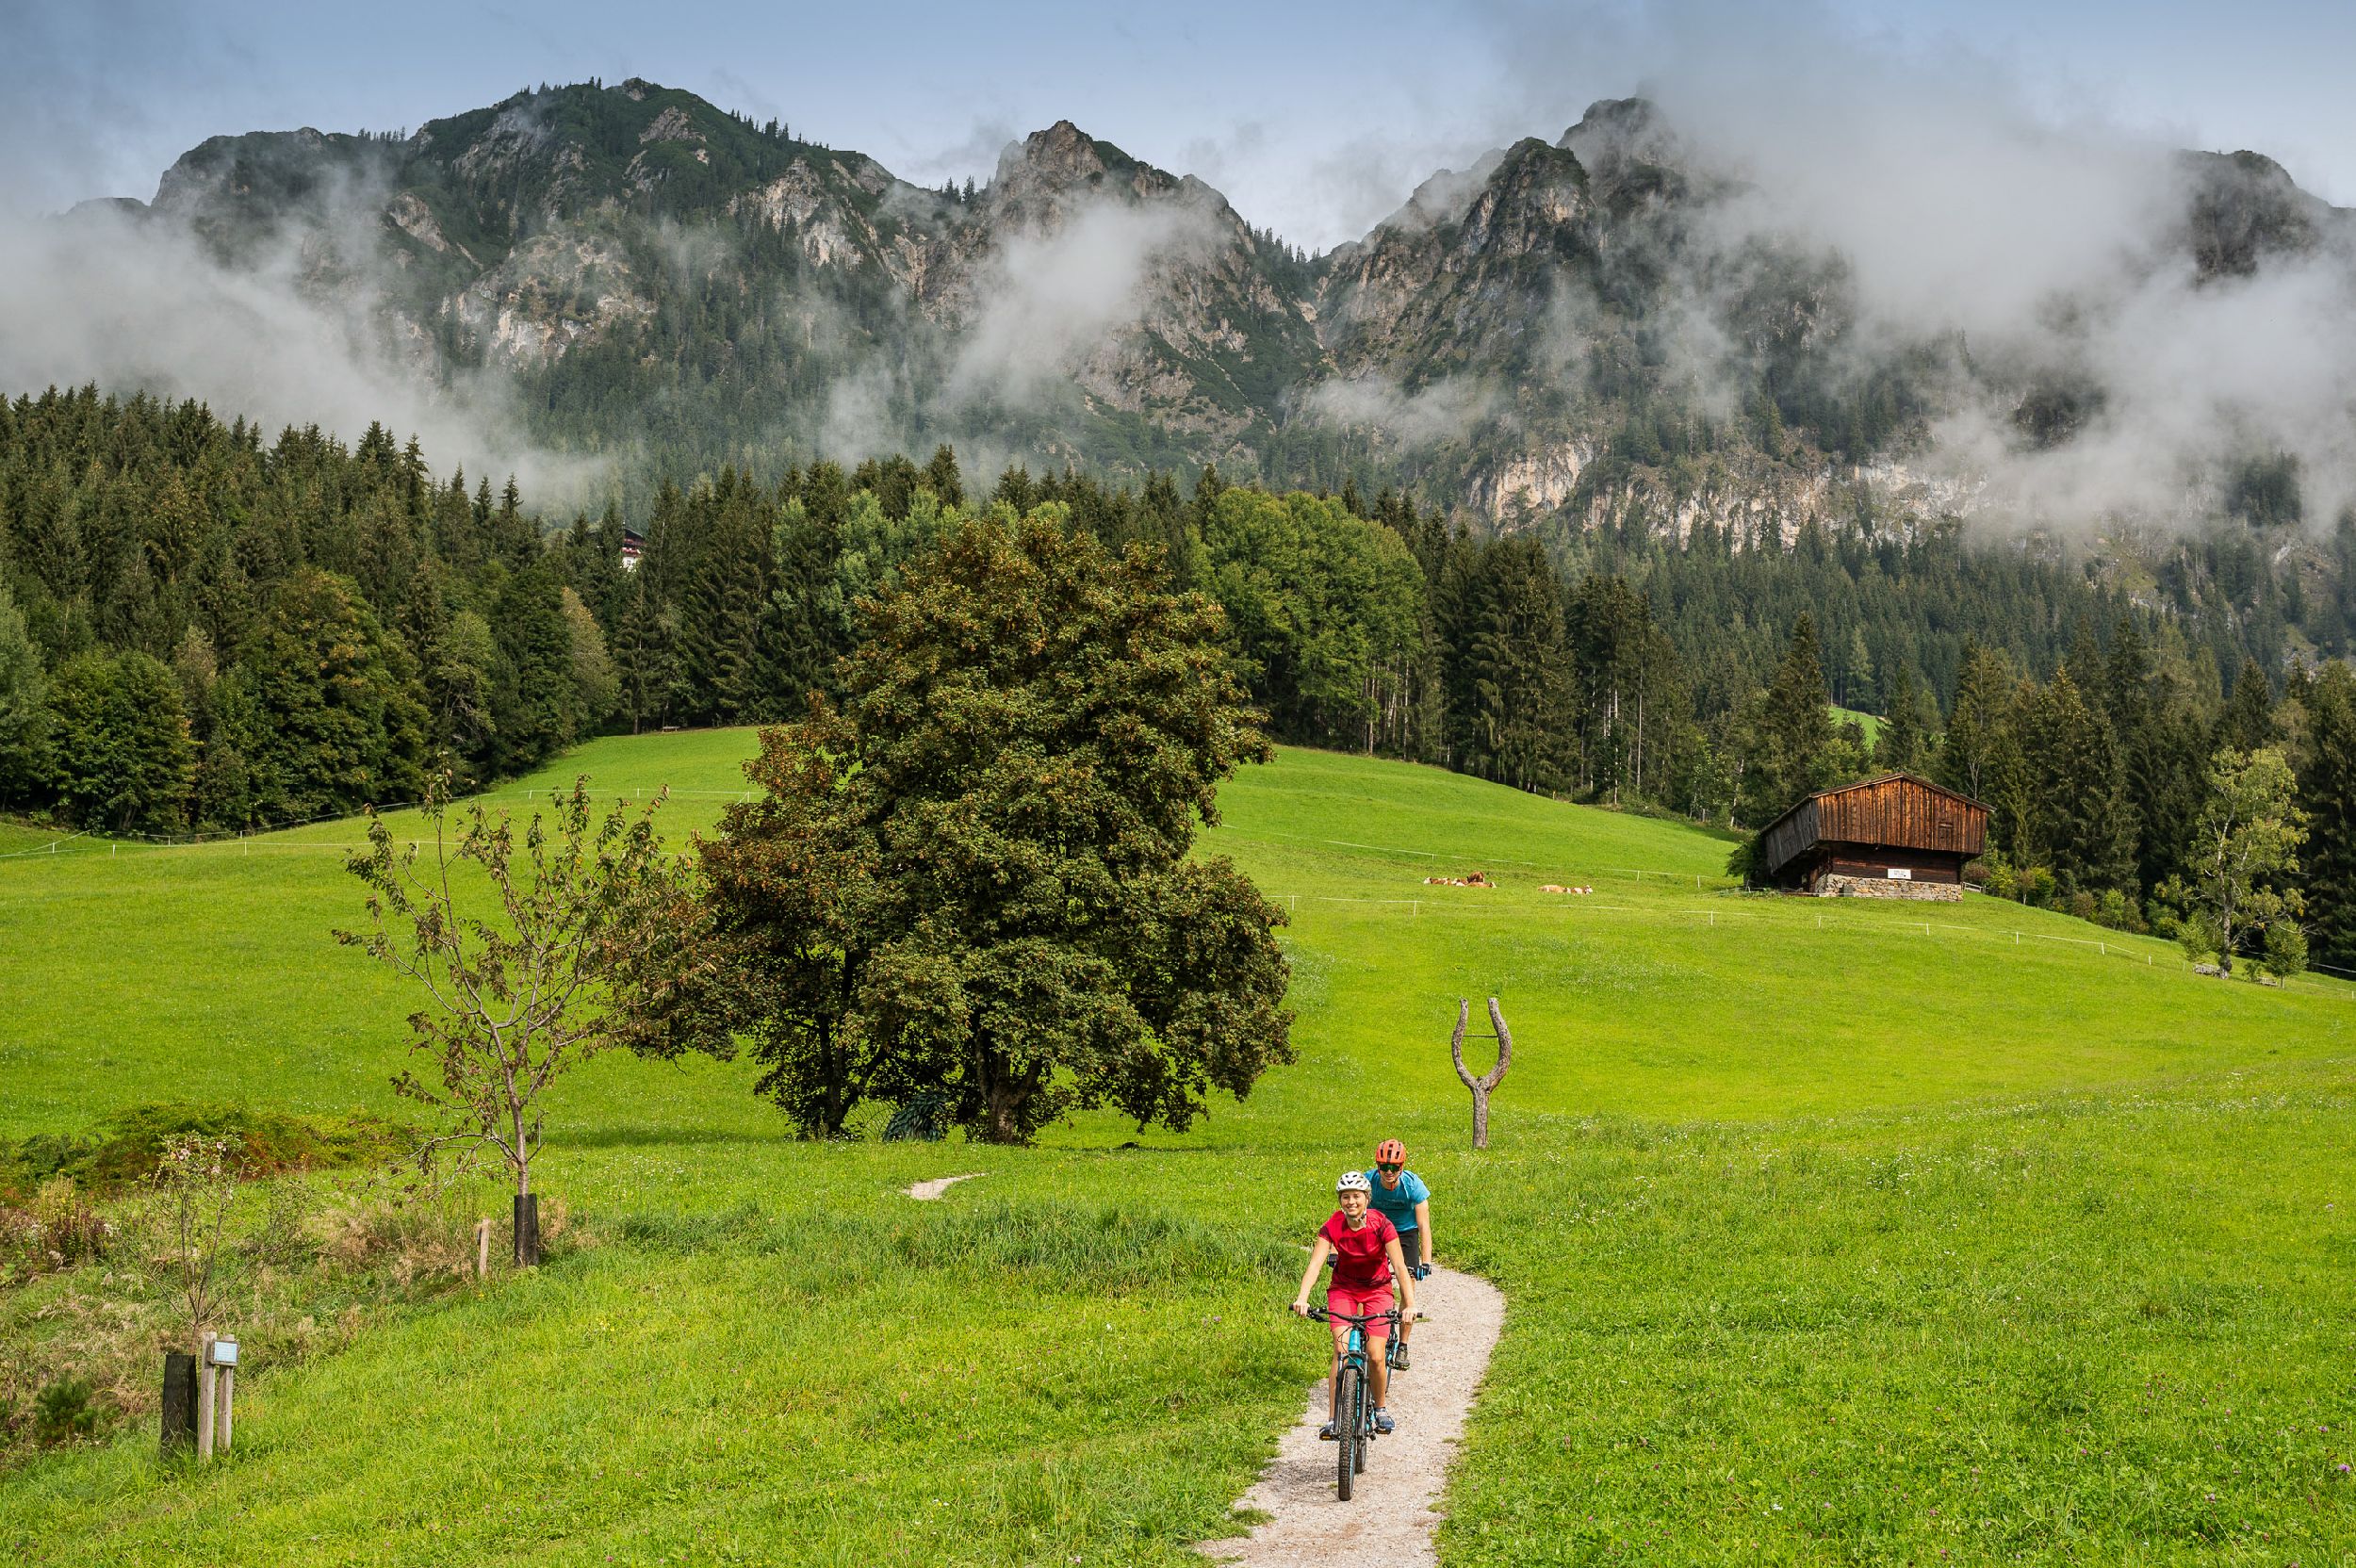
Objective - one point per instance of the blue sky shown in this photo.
(1314, 118)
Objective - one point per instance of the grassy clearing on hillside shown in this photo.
(1870, 723)
(1855, 1215)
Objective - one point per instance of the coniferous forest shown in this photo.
(205, 628)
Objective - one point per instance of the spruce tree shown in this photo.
(1899, 746)
(2079, 779)
(2247, 722)
(22, 716)
(1518, 696)
(2327, 792)
(1975, 722)
(1796, 723)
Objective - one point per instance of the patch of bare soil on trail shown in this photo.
(1391, 1518)
(927, 1191)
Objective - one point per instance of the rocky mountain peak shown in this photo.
(2243, 207)
(1628, 149)
(1047, 170)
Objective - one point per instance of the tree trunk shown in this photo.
(1004, 1097)
(527, 1223)
(1481, 1085)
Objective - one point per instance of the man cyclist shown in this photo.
(1366, 1261)
(1399, 1195)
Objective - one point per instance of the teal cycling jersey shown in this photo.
(1397, 1204)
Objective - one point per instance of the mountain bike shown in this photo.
(1353, 1416)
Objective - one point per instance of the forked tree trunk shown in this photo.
(1487, 1081)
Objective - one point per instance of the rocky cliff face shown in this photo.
(1559, 332)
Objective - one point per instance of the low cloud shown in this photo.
(1046, 300)
(1430, 416)
(131, 301)
(1990, 245)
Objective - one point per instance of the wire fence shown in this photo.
(257, 838)
(2118, 947)
(2129, 950)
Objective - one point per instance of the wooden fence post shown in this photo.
(1481, 1085)
(483, 1249)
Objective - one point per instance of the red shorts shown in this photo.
(1378, 1299)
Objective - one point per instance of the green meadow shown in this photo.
(1831, 1231)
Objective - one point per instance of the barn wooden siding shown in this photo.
(1895, 811)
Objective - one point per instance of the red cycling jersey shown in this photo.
(1359, 1260)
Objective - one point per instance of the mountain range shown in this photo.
(1613, 329)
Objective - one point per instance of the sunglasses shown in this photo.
(1381, 1165)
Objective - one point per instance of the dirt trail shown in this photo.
(927, 1191)
(1389, 1521)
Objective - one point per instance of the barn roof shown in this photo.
(1892, 777)
(1805, 823)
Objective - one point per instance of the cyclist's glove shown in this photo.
(1420, 1270)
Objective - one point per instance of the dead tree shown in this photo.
(1481, 1085)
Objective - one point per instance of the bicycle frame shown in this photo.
(1353, 1427)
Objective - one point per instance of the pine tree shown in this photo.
(2327, 792)
(2247, 722)
(1857, 685)
(1519, 698)
(2080, 783)
(1795, 725)
(23, 719)
(1974, 721)
(1899, 746)
(534, 701)
(943, 478)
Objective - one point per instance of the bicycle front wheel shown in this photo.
(1346, 1439)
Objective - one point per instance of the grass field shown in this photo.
(1828, 1236)
(1870, 723)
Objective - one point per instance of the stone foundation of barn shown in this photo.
(1883, 887)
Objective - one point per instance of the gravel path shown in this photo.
(1389, 1521)
(927, 1191)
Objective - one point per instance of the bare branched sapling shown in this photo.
(197, 1183)
(535, 954)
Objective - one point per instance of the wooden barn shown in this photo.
(1892, 837)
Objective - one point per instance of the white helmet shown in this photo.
(1353, 1181)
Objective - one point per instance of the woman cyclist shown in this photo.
(1366, 1261)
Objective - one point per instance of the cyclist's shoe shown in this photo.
(1327, 1435)
(1398, 1355)
(1384, 1426)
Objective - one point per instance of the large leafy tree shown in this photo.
(969, 886)
(121, 751)
(346, 720)
(2245, 848)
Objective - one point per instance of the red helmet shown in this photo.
(1389, 1151)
